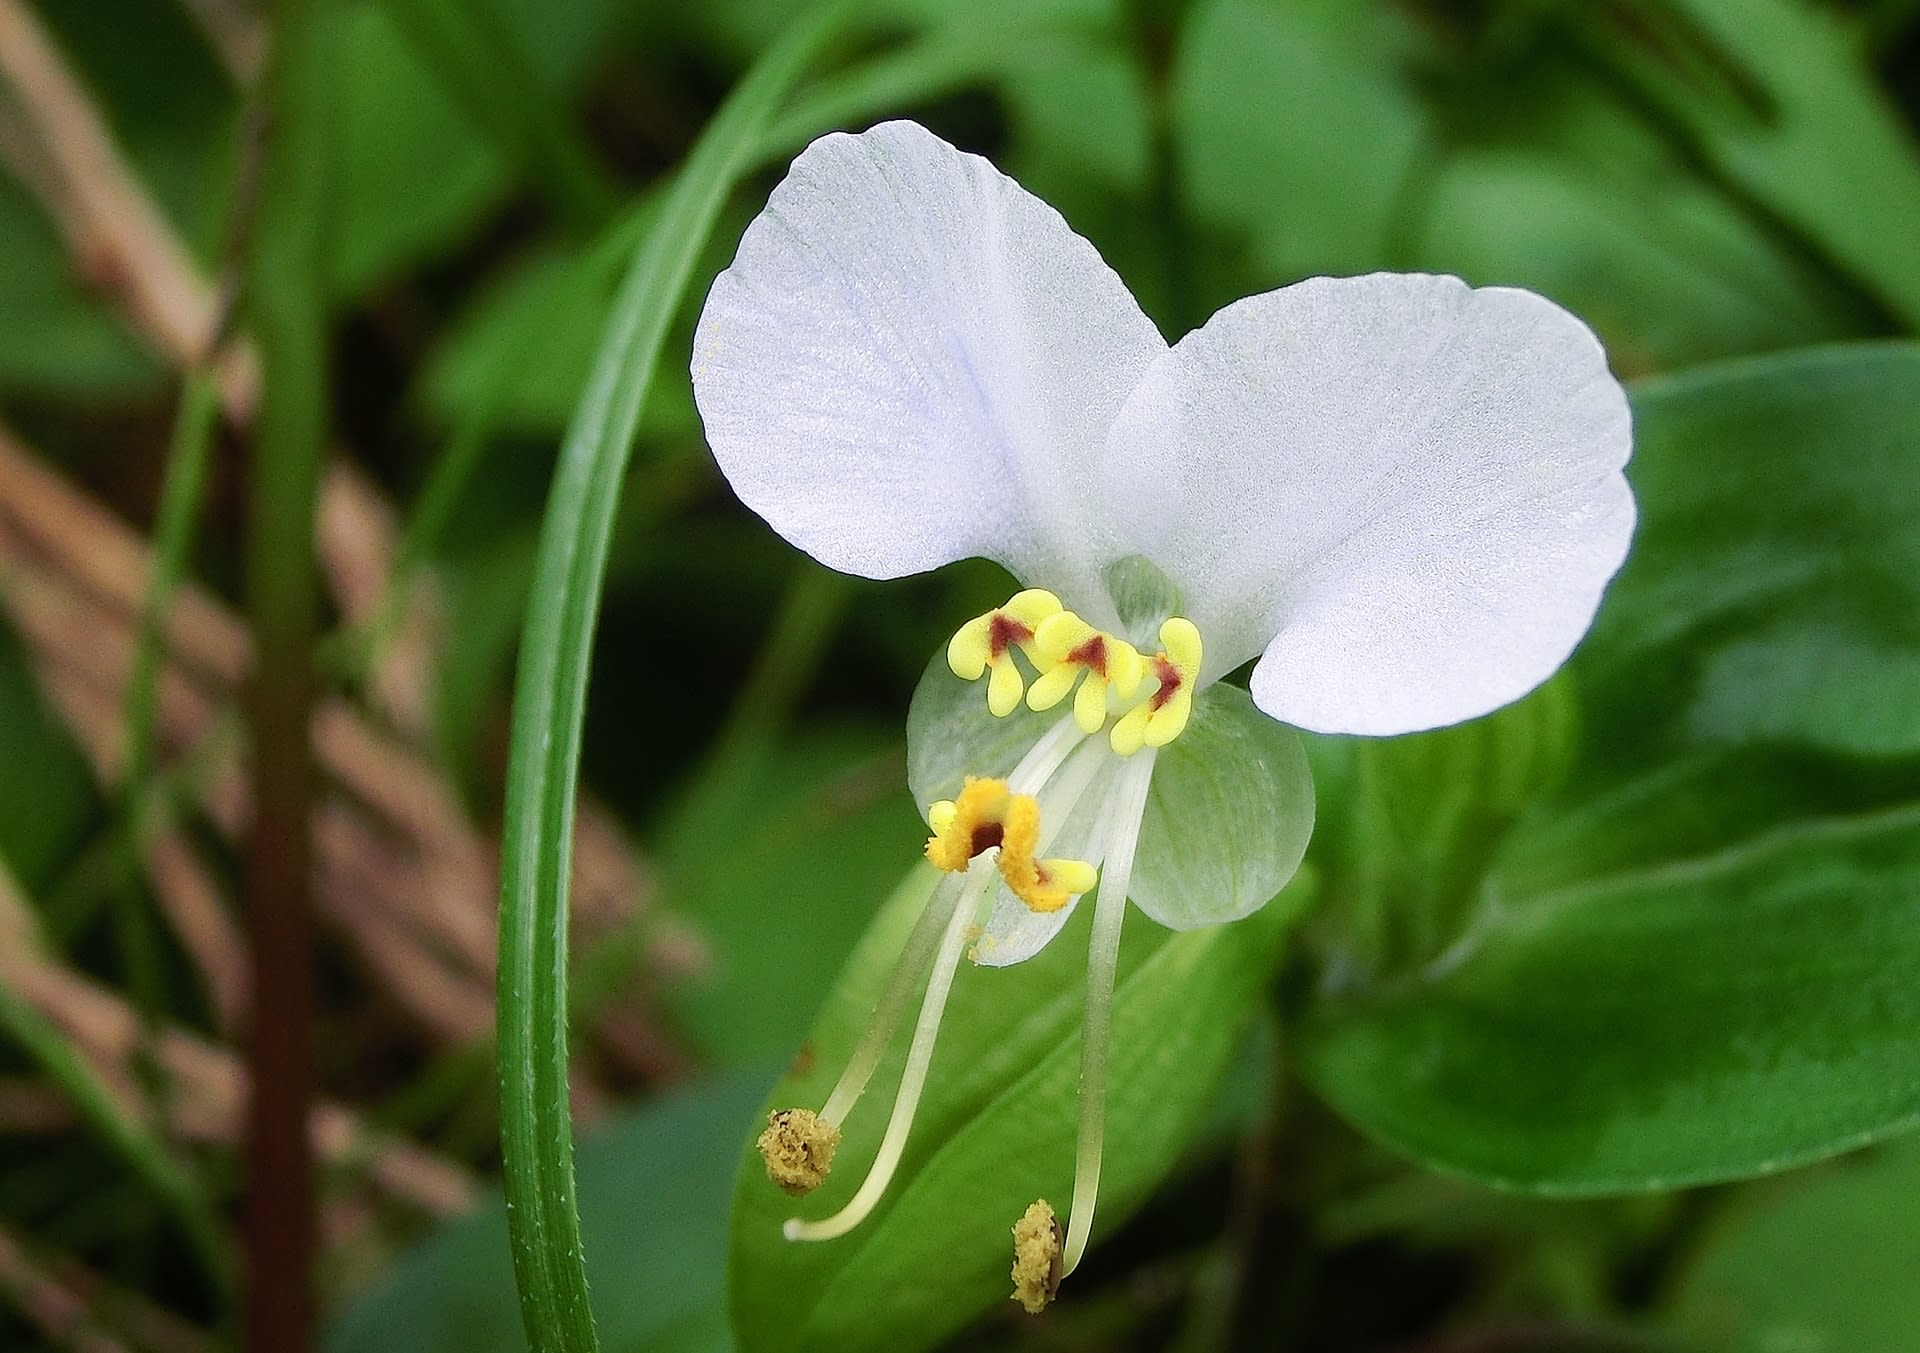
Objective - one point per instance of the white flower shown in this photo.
(1399, 496)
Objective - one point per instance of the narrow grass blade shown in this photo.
(536, 1129)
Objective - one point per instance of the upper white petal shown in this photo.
(913, 360)
(1404, 493)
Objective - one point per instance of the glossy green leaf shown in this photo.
(166, 101)
(48, 801)
(1696, 804)
(995, 1129)
(521, 349)
(654, 1186)
(1700, 1021)
(1773, 589)
(1698, 962)
(56, 337)
(1431, 811)
(1823, 1261)
(413, 175)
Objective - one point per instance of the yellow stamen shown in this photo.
(1161, 717)
(985, 645)
(988, 816)
(1064, 647)
(964, 827)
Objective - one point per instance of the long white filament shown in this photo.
(1062, 796)
(1036, 768)
(913, 1080)
(908, 969)
(1045, 757)
(1125, 809)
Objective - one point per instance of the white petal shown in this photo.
(913, 360)
(1405, 493)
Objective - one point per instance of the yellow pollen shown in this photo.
(1161, 717)
(798, 1148)
(964, 827)
(1036, 1257)
(988, 816)
(986, 643)
(1064, 647)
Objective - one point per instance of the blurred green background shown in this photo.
(1704, 181)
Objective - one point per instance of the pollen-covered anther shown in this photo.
(1044, 885)
(986, 644)
(1162, 716)
(798, 1148)
(970, 824)
(1064, 647)
(1036, 1257)
(988, 816)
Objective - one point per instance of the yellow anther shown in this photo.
(1065, 646)
(1044, 885)
(798, 1148)
(1036, 1257)
(987, 816)
(964, 827)
(1161, 717)
(985, 644)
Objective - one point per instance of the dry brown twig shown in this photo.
(60, 1313)
(209, 1082)
(176, 310)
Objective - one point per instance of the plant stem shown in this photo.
(287, 310)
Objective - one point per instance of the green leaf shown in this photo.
(1701, 1021)
(995, 1128)
(777, 858)
(48, 801)
(1774, 93)
(56, 337)
(522, 348)
(654, 1187)
(1697, 962)
(167, 102)
(475, 52)
(1294, 128)
(536, 1134)
(413, 175)
(1773, 590)
(1667, 271)
(1433, 809)
(1822, 1261)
